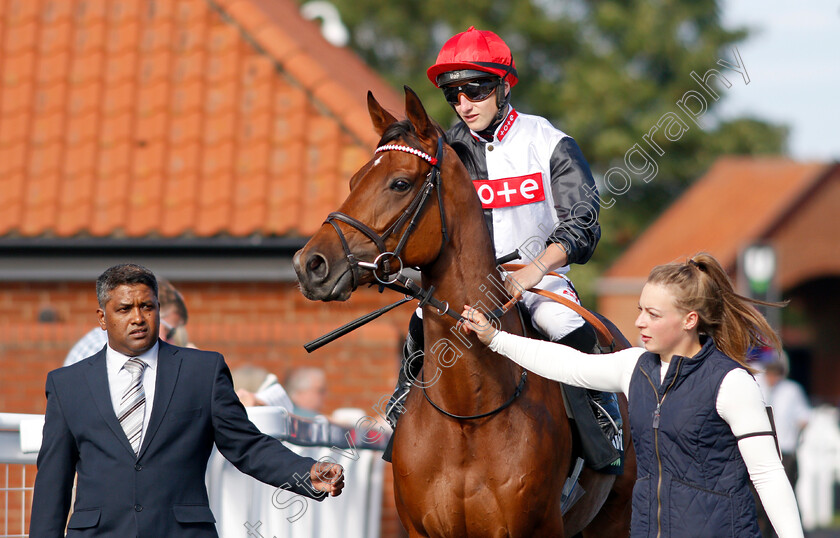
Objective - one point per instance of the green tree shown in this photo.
(603, 71)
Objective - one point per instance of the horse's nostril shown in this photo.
(317, 266)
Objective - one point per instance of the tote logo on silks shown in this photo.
(510, 191)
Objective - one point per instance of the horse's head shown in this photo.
(394, 214)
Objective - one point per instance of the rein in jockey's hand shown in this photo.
(553, 257)
(475, 321)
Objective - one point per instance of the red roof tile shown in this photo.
(127, 118)
(735, 203)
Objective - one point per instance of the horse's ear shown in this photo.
(416, 114)
(380, 117)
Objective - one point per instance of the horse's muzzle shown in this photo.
(317, 281)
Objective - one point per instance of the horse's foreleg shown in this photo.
(412, 531)
(614, 517)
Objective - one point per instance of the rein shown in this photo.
(605, 338)
(522, 379)
(411, 291)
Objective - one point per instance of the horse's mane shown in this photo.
(404, 130)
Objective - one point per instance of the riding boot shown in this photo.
(395, 403)
(604, 405)
(608, 414)
(410, 365)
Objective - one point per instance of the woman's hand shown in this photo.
(476, 322)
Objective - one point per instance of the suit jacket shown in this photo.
(161, 491)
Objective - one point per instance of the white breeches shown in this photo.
(548, 316)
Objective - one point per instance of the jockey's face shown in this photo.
(478, 115)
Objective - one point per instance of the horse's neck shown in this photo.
(466, 274)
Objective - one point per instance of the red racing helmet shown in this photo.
(473, 51)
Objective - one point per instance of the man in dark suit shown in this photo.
(137, 421)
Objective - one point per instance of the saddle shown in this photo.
(592, 444)
(600, 451)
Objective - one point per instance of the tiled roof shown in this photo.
(738, 201)
(175, 118)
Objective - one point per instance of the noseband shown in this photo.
(412, 212)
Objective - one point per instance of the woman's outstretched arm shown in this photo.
(609, 372)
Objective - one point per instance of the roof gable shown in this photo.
(738, 201)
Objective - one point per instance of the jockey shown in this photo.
(536, 188)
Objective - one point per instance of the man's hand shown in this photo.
(328, 477)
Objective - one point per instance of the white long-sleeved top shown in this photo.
(739, 403)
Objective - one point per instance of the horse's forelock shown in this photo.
(404, 130)
(400, 130)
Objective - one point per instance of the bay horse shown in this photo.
(464, 462)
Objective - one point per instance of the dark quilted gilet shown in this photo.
(703, 486)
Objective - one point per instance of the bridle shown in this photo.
(382, 261)
(412, 212)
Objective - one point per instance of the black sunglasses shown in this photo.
(474, 90)
(170, 330)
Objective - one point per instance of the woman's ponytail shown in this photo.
(702, 285)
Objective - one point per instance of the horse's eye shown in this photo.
(400, 185)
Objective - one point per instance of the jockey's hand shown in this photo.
(553, 257)
(327, 477)
(476, 322)
(524, 279)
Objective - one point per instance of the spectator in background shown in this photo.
(790, 414)
(173, 316)
(249, 381)
(307, 388)
(790, 411)
(178, 336)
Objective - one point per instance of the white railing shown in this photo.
(17, 472)
(243, 506)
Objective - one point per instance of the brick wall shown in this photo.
(261, 324)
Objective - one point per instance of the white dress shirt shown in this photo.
(119, 380)
(90, 343)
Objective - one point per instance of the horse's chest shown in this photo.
(480, 493)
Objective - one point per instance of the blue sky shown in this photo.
(793, 61)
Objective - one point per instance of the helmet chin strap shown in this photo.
(501, 102)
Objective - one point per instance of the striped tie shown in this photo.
(133, 404)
